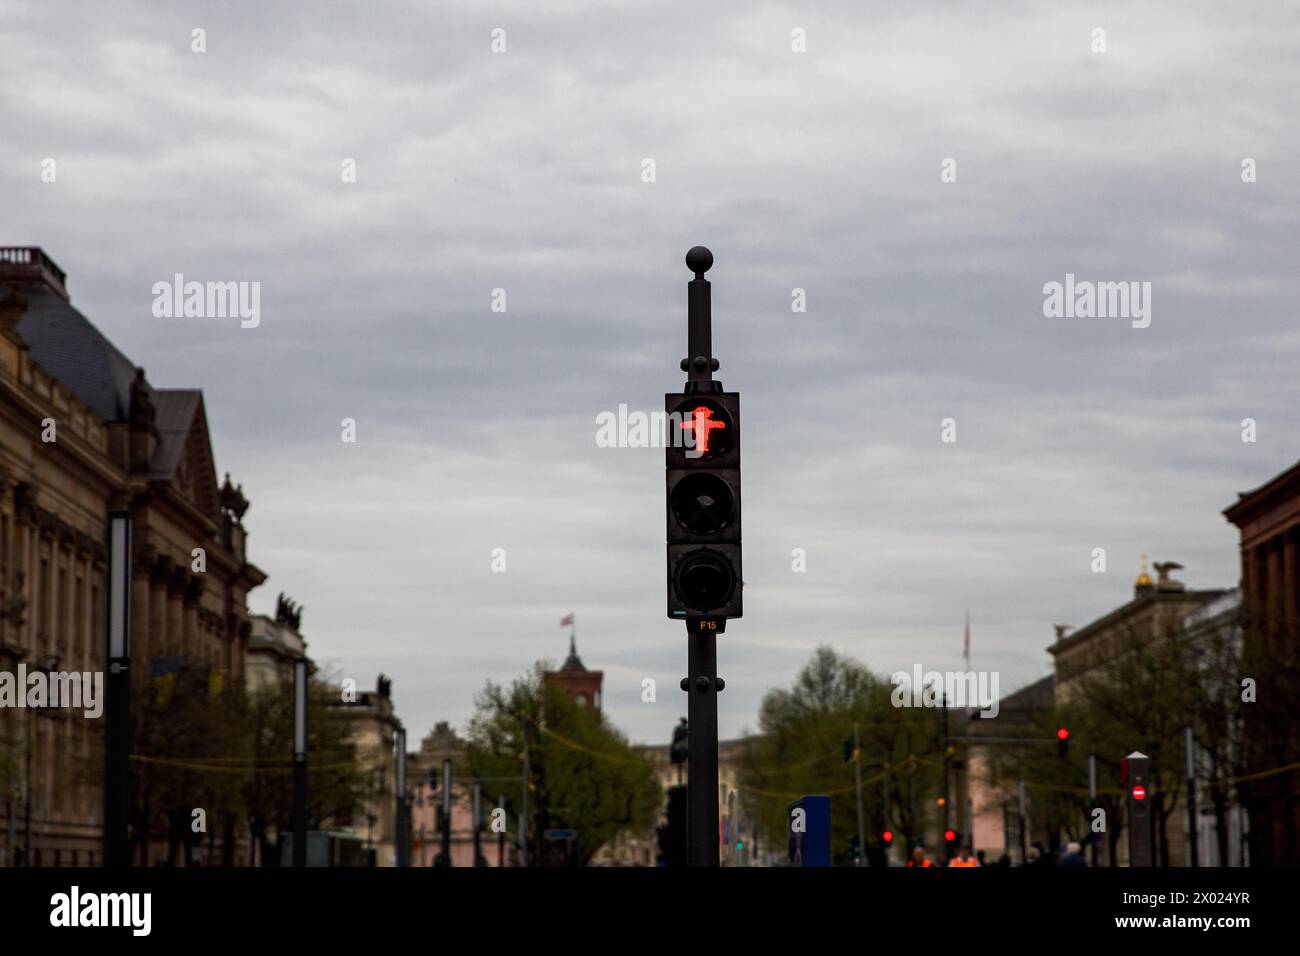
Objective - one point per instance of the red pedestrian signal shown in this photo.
(1062, 734)
(699, 421)
(949, 835)
(887, 836)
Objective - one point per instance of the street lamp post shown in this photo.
(117, 772)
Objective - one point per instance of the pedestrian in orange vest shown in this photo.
(963, 858)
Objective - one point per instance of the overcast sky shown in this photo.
(818, 170)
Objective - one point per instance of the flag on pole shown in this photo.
(567, 620)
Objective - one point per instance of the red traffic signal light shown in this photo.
(887, 836)
(1063, 742)
(949, 835)
(1062, 734)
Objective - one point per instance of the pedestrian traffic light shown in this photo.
(1135, 771)
(703, 484)
(1063, 742)
(950, 836)
(888, 837)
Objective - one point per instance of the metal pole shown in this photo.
(1021, 825)
(1095, 837)
(702, 716)
(477, 811)
(446, 812)
(523, 814)
(702, 684)
(403, 844)
(117, 771)
(857, 782)
(501, 837)
(947, 801)
(1193, 851)
(27, 790)
(884, 786)
(300, 762)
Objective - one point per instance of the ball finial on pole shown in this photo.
(699, 260)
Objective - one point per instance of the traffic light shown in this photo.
(887, 837)
(1134, 772)
(950, 836)
(702, 459)
(1063, 743)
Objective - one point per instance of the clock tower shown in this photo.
(579, 684)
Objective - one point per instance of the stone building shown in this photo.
(1269, 521)
(83, 431)
(374, 733)
(274, 644)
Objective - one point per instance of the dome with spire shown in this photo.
(1143, 584)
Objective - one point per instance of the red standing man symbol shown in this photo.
(700, 424)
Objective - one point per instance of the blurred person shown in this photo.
(919, 858)
(1072, 857)
(964, 859)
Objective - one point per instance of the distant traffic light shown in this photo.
(888, 837)
(950, 836)
(1063, 742)
(1134, 772)
(703, 484)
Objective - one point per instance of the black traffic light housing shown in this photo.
(1135, 773)
(1063, 743)
(702, 461)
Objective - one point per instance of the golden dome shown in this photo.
(1143, 579)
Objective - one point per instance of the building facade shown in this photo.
(1269, 522)
(83, 432)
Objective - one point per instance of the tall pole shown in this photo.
(702, 744)
(446, 812)
(947, 790)
(1094, 837)
(1021, 826)
(1192, 849)
(884, 802)
(117, 772)
(403, 844)
(501, 837)
(477, 812)
(523, 813)
(857, 782)
(701, 684)
(300, 762)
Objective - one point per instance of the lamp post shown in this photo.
(117, 771)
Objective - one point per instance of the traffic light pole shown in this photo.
(701, 684)
(857, 783)
(702, 713)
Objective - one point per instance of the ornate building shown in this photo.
(82, 431)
